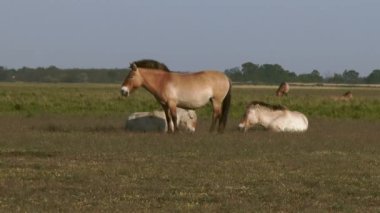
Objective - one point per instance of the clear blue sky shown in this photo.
(328, 35)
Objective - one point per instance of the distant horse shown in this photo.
(156, 121)
(283, 89)
(347, 96)
(274, 117)
(185, 90)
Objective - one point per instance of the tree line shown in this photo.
(53, 74)
(248, 73)
(275, 74)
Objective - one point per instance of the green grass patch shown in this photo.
(105, 100)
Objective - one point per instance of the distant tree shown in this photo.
(312, 77)
(373, 77)
(4, 74)
(337, 78)
(316, 74)
(274, 73)
(350, 76)
(266, 73)
(235, 74)
(250, 71)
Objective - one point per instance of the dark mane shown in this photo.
(150, 64)
(270, 106)
(347, 93)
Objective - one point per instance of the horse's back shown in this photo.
(290, 121)
(299, 121)
(205, 77)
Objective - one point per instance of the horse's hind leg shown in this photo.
(217, 110)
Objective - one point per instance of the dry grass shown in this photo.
(63, 149)
(63, 163)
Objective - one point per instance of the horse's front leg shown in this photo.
(169, 123)
(173, 114)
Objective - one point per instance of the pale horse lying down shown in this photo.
(156, 122)
(273, 117)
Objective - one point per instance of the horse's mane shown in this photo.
(283, 84)
(150, 64)
(348, 93)
(270, 106)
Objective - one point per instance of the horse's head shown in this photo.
(187, 119)
(249, 119)
(348, 95)
(283, 89)
(132, 81)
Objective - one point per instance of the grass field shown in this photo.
(63, 148)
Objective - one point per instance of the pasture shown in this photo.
(63, 148)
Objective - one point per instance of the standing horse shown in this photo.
(274, 117)
(185, 90)
(283, 89)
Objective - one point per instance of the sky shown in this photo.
(328, 35)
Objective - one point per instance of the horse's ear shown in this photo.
(133, 66)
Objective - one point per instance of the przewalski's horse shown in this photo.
(283, 89)
(274, 117)
(185, 90)
(347, 96)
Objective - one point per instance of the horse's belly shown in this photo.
(193, 100)
(192, 104)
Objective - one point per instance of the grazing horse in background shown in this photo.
(185, 90)
(274, 117)
(283, 89)
(347, 96)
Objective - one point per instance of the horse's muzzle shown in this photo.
(124, 91)
(242, 127)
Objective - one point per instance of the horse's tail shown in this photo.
(225, 108)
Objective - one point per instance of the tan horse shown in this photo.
(347, 96)
(283, 89)
(185, 90)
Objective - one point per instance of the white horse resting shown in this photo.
(274, 117)
(156, 121)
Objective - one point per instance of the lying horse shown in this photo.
(347, 96)
(156, 122)
(283, 89)
(185, 90)
(274, 117)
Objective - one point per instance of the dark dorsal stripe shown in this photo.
(270, 106)
(150, 64)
